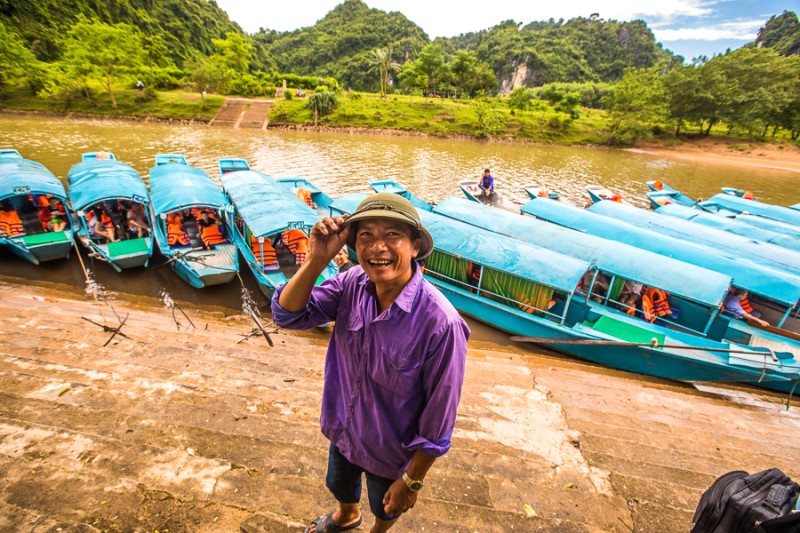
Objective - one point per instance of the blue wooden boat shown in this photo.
(472, 191)
(534, 190)
(307, 192)
(530, 291)
(662, 194)
(788, 238)
(734, 204)
(101, 184)
(266, 218)
(598, 193)
(748, 195)
(726, 243)
(27, 192)
(775, 293)
(200, 252)
(233, 164)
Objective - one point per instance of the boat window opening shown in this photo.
(518, 292)
(452, 269)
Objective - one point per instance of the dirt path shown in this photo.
(185, 429)
(726, 151)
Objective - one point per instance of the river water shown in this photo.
(339, 163)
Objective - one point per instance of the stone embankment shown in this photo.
(181, 428)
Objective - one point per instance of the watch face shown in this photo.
(415, 485)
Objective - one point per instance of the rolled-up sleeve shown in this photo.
(442, 382)
(321, 307)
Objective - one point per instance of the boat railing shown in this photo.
(499, 298)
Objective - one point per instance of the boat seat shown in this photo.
(190, 225)
(31, 222)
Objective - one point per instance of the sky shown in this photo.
(690, 28)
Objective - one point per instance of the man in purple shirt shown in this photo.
(486, 186)
(395, 364)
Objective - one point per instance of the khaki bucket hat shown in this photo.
(394, 207)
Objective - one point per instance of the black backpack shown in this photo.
(736, 502)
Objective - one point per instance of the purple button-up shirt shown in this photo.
(392, 381)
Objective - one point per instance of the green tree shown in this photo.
(322, 103)
(429, 63)
(207, 76)
(95, 50)
(234, 51)
(490, 121)
(382, 62)
(16, 61)
(638, 102)
(520, 99)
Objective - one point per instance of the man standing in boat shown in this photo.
(395, 363)
(486, 185)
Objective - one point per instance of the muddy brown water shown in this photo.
(339, 163)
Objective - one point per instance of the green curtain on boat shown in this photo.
(616, 288)
(448, 266)
(514, 289)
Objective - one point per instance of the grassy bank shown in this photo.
(165, 105)
(449, 117)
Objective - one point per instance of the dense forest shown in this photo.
(89, 51)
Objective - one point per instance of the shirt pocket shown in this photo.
(397, 369)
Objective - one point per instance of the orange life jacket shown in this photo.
(176, 236)
(658, 185)
(173, 218)
(43, 200)
(631, 311)
(270, 255)
(658, 298)
(525, 304)
(302, 251)
(212, 235)
(648, 312)
(748, 195)
(304, 195)
(292, 238)
(11, 224)
(746, 305)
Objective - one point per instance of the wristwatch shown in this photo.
(412, 484)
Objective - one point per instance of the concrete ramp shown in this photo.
(243, 113)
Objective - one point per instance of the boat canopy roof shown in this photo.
(508, 255)
(23, 176)
(176, 186)
(783, 234)
(727, 243)
(651, 269)
(754, 207)
(774, 284)
(265, 205)
(95, 180)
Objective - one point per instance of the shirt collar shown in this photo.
(406, 298)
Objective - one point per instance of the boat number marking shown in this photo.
(23, 189)
(138, 199)
(294, 225)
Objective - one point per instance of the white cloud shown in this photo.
(740, 30)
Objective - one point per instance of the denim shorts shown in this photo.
(344, 481)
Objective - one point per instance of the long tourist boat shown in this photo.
(664, 195)
(270, 225)
(728, 243)
(775, 293)
(189, 225)
(102, 187)
(788, 238)
(734, 204)
(531, 291)
(34, 222)
(534, 190)
(598, 193)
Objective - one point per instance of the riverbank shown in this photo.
(182, 428)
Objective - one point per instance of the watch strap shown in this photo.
(413, 485)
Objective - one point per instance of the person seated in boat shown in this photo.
(57, 222)
(630, 303)
(486, 185)
(100, 225)
(102, 156)
(342, 260)
(43, 200)
(210, 231)
(10, 223)
(599, 289)
(473, 277)
(137, 223)
(56, 206)
(738, 305)
(206, 219)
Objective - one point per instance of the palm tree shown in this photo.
(322, 103)
(381, 60)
